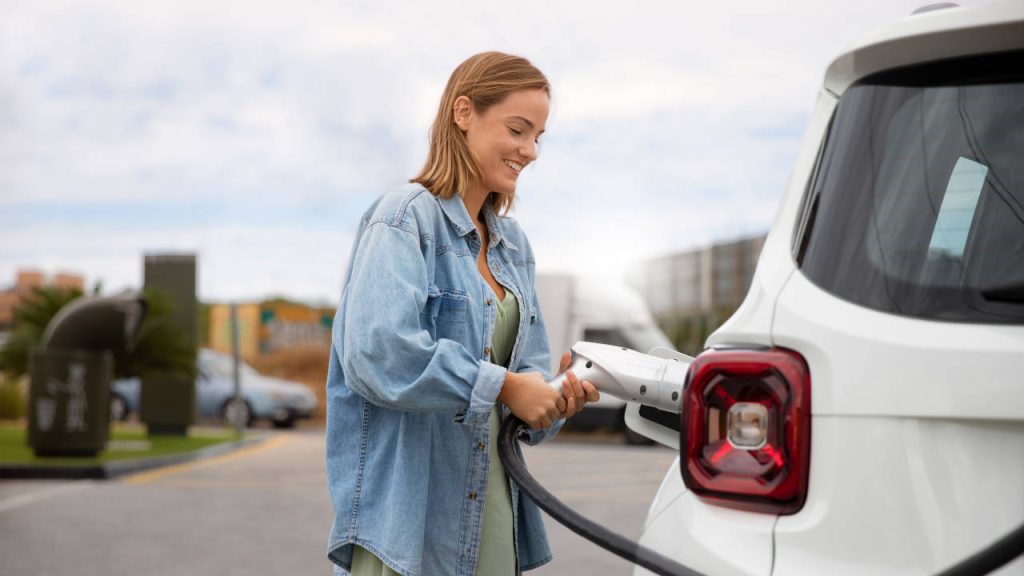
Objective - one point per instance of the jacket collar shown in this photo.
(455, 210)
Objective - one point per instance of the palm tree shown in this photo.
(161, 345)
(30, 320)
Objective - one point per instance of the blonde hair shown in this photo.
(486, 79)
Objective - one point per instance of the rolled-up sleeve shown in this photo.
(388, 357)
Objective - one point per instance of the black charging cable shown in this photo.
(585, 527)
(996, 555)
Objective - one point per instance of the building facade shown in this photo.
(691, 293)
(267, 327)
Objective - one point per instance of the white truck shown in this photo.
(596, 310)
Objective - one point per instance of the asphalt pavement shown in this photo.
(264, 509)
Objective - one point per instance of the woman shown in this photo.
(438, 336)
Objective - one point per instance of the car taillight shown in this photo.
(745, 438)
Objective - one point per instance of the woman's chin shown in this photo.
(506, 188)
(503, 190)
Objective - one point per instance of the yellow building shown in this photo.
(270, 326)
(248, 329)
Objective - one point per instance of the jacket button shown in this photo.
(487, 351)
(489, 301)
(472, 495)
(481, 445)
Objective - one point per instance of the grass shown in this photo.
(127, 441)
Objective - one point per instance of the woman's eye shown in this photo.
(514, 131)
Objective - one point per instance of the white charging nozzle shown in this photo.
(629, 375)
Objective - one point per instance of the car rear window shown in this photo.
(917, 206)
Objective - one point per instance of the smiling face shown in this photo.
(503, 138)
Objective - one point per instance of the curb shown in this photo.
(110, 470)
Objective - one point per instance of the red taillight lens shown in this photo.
(746, 429)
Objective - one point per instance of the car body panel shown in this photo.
(953, 32)
(706, 538)
(903, 495)
(869, 363)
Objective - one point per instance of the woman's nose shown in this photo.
(529, 151)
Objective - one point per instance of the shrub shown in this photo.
(13, 399)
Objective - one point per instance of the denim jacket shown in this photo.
(410, 387)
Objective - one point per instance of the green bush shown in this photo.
(12, 399)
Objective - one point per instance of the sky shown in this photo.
(255, 133)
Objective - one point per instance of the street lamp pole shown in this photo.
(237, 400)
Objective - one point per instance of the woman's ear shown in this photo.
(462, 112)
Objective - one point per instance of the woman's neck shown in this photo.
(474, 202)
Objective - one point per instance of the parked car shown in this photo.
(863, 411)
(280, 401)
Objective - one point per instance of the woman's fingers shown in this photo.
(570, 401)
(558, 410)
(576, 389)
(563, 365)
(529, 397)
(591, 391)
(570, 407)
(575, 392)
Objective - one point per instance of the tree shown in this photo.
(30, 320)
(161, 345)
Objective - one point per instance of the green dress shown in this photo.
(497, 555)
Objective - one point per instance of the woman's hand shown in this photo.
(575, 391)
(532, 399)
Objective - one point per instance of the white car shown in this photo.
(863, 411)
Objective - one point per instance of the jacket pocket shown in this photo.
(446, 313)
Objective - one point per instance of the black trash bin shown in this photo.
(69, 401)
(70, 373)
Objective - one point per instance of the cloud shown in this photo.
(255, 132)
(235, 262)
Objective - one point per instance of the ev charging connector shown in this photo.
(629, 375)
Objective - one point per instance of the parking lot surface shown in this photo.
(265, 510)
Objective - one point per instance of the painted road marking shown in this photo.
(44, 494)
(161, 473)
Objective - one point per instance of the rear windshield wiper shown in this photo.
(1008, 293)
